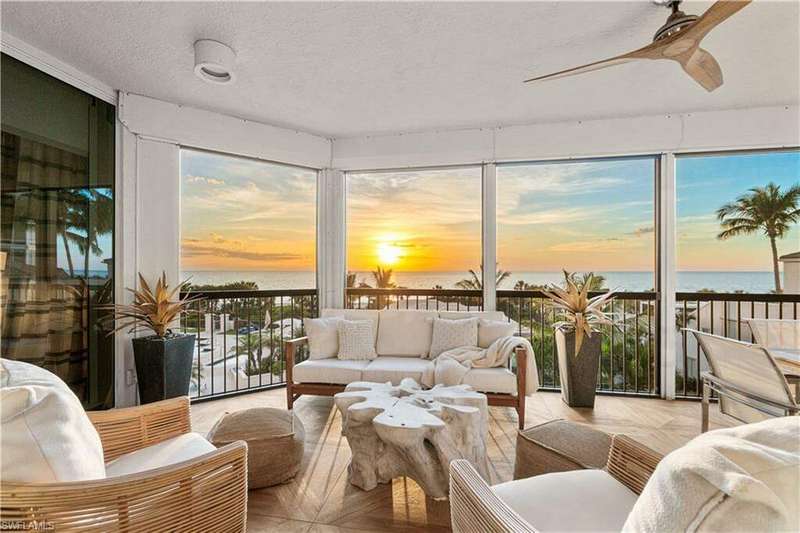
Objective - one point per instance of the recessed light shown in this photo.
(213, 61)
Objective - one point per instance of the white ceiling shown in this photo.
(348, 69)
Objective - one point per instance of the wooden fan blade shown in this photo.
(704, 69)
(648, 52)
(714, 15)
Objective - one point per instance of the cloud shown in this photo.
(642, 231)
(204, 179)
(190, 249)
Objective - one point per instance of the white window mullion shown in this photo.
(331, 238)
(489, 235)
(668, 275)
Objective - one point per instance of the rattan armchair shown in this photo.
(475, 507)
(207, 493)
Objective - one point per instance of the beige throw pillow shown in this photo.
(491, 330)
(323, 337)
(449, 334)
(45, 434)
(356, 340)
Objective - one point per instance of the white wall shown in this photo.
(766, 127)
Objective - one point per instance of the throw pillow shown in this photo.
(323, 337)
(45, 434)
(491, 330)
(449, 334)
(356, 340)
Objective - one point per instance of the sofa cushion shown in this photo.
(405, 333)
(394, 369)
(499, 380)
(356, 340)
(323, 337)
(579, 500)
(449, 334)
(487, 315)
(169, 452)
(337, 371)
(491, 330)
(354, 314)
(45, 434)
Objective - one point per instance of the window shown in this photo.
(416, 229)
(590, 216)
(722, 240)
(57, 230)
(247, 224)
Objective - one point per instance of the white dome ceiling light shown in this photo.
(213, 61)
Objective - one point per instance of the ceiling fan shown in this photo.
(679, 40)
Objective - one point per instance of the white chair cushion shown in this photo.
(45, 434)
(356, 340)
(491, 330)
(405, 332)
(449, 334)
(579, 500)
(744, 478)
(499, 380)
(323, 337)
(337, 371)
(169, 452)
(354, 314)
(486, 315)
(394, 369)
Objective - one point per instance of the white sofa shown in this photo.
(403, 337)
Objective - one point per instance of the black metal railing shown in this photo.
(722, 314)
(428, 299)
(240, 336)
(629, 358)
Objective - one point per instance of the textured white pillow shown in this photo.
(356, 340)
(449, 334)
(491, 330)
(323, 337)
(45, 434)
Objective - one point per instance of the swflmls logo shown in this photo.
(26, 525)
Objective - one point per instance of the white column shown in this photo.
(489, 235)
(668, 275)
(331, 240)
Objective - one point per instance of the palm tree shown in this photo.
(762, 209)
(475, 282)
(84, 214)
(383, 278)
(351, 280)
(253, 346)
(596, 282)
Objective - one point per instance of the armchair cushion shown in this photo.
(579, 500)
(498, 380)
(46, 435)
(165, 453)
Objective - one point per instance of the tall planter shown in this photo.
(163, 366)
(578, 372)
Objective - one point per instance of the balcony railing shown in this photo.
(429, 299)
(240, 334)
(722, 314)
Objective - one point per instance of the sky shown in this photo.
(240, 214)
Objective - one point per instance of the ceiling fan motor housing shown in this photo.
(676, 22)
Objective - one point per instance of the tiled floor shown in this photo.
(321, 500)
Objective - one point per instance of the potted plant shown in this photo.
(163, 359)
(578, 338)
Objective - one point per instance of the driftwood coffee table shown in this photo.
(404, 430)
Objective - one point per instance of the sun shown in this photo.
(388, 253)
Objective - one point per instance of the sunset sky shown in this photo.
(239, 214)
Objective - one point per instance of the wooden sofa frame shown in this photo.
(474, 506)
(295, 390)
(206, 493)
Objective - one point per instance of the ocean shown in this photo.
(749, 282)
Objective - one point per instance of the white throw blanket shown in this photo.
(745, 478)
(451, 366)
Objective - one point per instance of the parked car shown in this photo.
(244, 330)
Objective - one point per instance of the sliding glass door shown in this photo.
(57, 247)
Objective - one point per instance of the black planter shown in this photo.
(578, 372)
(163, 366)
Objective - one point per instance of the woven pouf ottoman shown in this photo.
(274, 443)
(559, 446)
